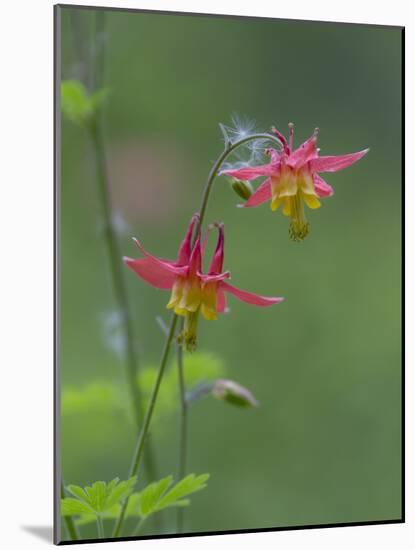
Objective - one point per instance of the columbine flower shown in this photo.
(293, 179)
(192, 291)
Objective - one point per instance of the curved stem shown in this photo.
(183, 426)
(143, 433)
(215, 168)
(68, 521)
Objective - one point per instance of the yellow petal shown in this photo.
(208, 313)
(275, 203)
(311, 201)
(306, 184)
(191, 296)
(209, 301)
(287, 210)
(288, 186)
(176, 294)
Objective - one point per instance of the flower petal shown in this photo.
(185, 249)
(217, 260)
(307, 151)
(152, 272)
(249, 297)
(322, 188)
(214, 278)
(311, 201)
(261, 195)
(221, 304)
(195, 262)
(335, 163)
(166, 264)
(251, 172)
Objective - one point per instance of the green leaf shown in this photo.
(100, 498)
(151, 495)
(113, 512)
(120, 491)
(188, 485)
(77, 104)
(72, 507)
(157, 495)
(78, 492)
(99, 97)
(151, 499)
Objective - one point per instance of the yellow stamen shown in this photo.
(188, 337)
(299, 227)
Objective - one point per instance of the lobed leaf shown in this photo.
(100, 498)
(73, 507)
(187, 486)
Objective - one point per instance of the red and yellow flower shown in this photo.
(292, 179)
(192, 291)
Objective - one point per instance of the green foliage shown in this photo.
(109, 397)
(77, 104)
(97, 396)
(155, 497)
(99, 499)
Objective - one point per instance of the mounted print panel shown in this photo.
(228, 274)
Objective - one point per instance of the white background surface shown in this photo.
(26, 301)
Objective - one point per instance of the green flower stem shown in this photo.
(146, 424)
(71, 528)
(183, 425)
(100, 527)
(170, 336)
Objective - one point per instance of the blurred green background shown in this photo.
(324, 445)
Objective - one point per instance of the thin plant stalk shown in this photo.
(146, 424)
(229, 147)
(100, 527)
(139, 527)
(71, 528)
(113, 249)
(183, 432)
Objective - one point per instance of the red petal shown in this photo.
(307, 151)
(221, 304)
(261, 195)
(185, 249)
(195, 262)
(151, 272)
(249, 297)
(217, 260)
(252, 172)
(166, 264)
(323, 189)
(215, 277)
(335, 163)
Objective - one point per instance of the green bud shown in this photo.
(233, 393)
(242, 188)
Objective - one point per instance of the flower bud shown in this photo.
(233, 393)
(242, 188)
